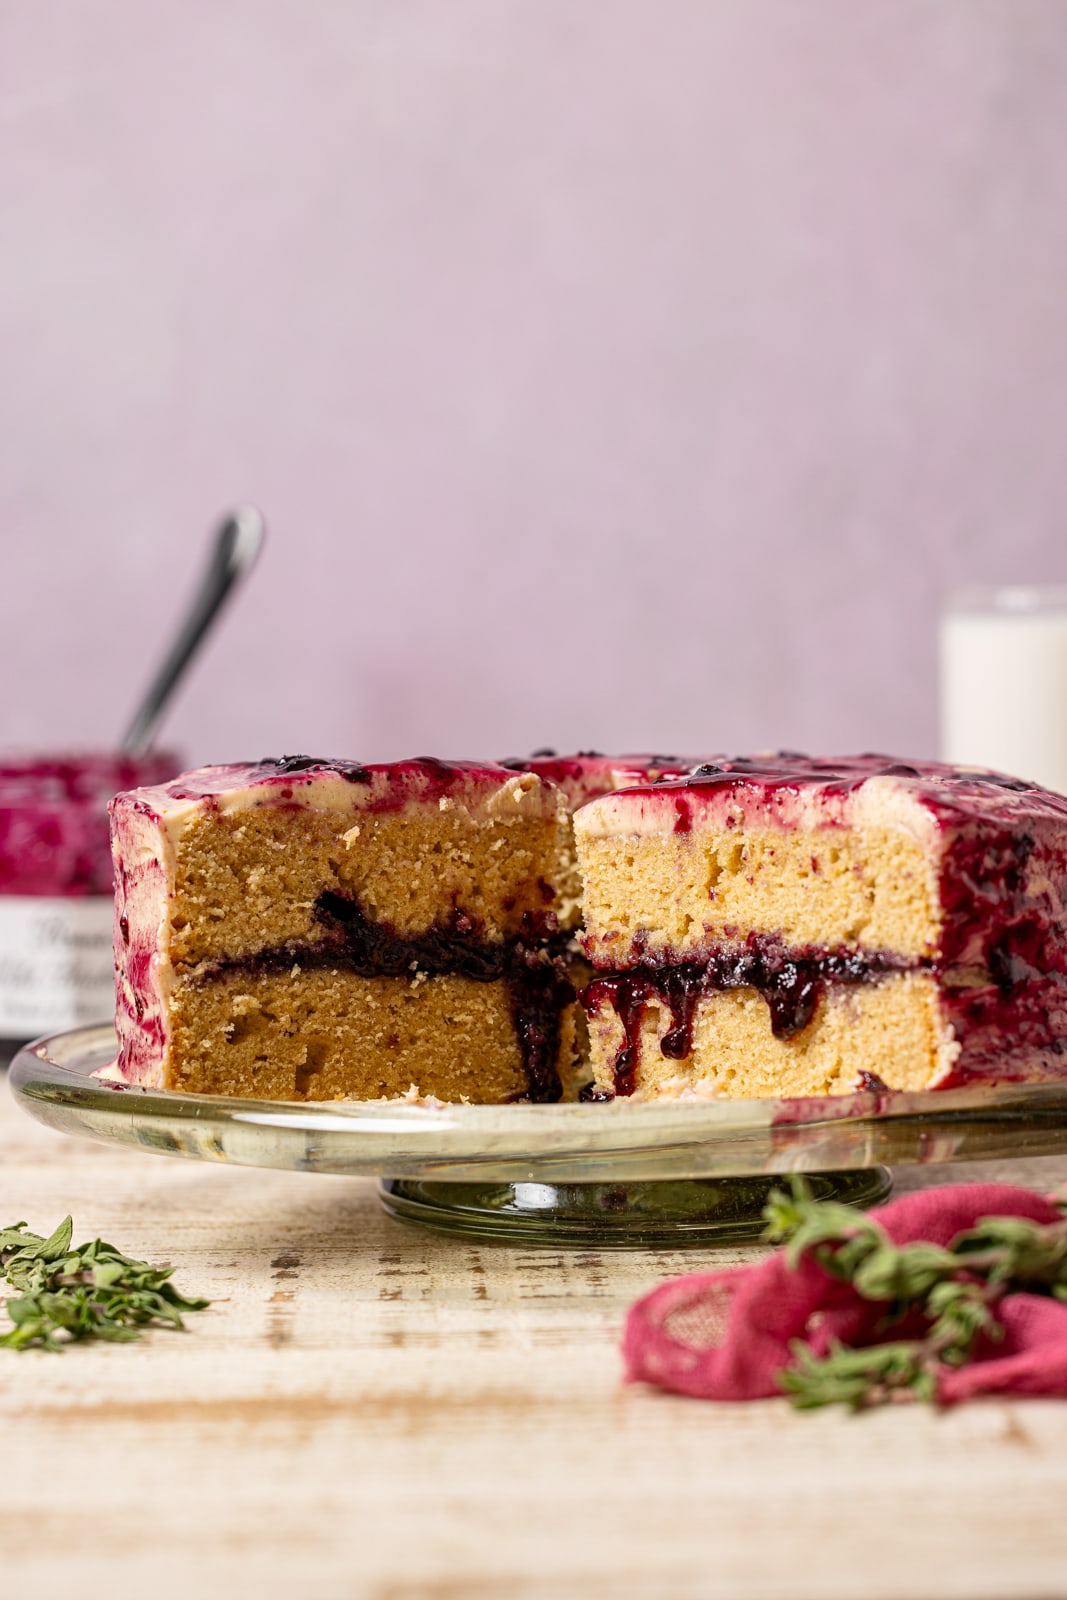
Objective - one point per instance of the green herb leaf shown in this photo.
(905, 1274)
(55, 1247)
(89, 1292)
(856, 1378)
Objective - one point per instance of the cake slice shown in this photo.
(306, 929)
(783, 926)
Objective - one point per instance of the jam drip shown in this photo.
(791, 982)
(533, 968)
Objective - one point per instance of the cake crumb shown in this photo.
(349, 838)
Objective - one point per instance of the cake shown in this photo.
(308, 929)
(782, 926)
(776, 926)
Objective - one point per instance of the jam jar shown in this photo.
(56, 898)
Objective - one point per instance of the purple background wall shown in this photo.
(623, 373)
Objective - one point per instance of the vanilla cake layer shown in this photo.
(648, 892)
(247, 853)
(683, 866)
(798, 894)
(303, 928)
(326, 1034)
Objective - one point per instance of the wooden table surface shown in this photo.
(371, 1410)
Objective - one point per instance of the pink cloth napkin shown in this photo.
(726, 1335)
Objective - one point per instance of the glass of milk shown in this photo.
(1004, 682)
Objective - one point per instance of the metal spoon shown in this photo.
(238, 542)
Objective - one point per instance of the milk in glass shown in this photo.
(1004, 682)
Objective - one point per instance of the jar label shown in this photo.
(56, 963)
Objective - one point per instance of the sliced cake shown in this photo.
(788, 927)
(316, 929)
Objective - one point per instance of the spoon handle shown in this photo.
(238, 542)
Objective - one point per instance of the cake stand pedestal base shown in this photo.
(614, 1216)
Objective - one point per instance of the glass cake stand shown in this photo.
(623, 1174)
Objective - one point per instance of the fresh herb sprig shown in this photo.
(90, 1291)
(956, 1291)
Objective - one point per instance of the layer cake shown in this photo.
(791, 927)
(306, 929)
